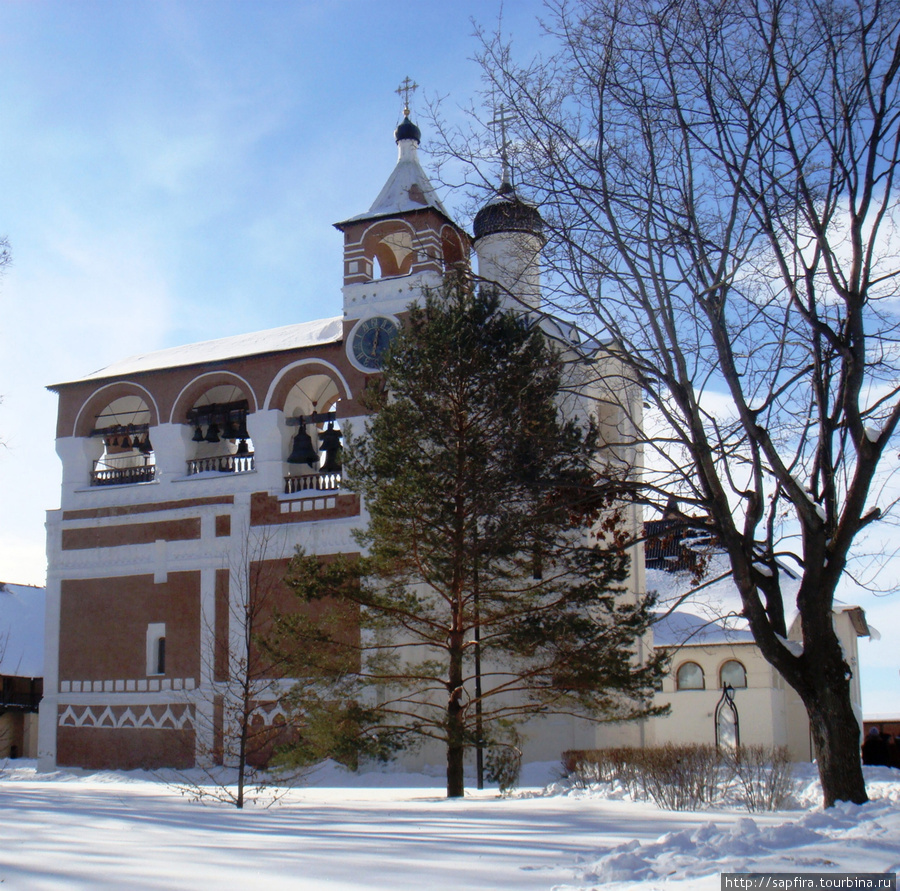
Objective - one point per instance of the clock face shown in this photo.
(370, 340)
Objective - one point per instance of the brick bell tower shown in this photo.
(403, 244)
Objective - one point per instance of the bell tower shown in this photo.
(405, 241)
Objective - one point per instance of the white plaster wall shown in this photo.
(512, 261)
(388, 295)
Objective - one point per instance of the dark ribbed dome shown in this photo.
(507, 213)
(407, 130)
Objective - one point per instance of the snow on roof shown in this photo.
(407, 188)
(21, 631)
(274, 340)
(685, 629)
(717, 596)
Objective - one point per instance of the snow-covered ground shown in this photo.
(70, 830)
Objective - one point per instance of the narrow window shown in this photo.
(156, 648)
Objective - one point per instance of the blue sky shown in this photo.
(169, 173)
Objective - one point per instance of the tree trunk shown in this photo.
(242, 758)
(455, 774)
(836, 742)
(455, 721)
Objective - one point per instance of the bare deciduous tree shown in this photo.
(718, 183)
(233, 712)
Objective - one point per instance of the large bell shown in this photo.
(330, 443)
(303, 451)
(212, 433)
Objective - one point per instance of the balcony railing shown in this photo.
(221, 464)
(121, 472)
(314, 482)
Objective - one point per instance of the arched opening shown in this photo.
(389, 248)
(690, 677)
(454, 254)
(394, 254)
(314, 456)
(221, 440)
(122, 436)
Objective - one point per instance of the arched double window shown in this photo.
(689, 677)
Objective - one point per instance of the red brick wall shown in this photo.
(105, 626)
(106, 748)
(131, 534)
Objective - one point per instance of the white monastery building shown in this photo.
(173, 461)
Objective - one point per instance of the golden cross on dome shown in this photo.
(406, 89)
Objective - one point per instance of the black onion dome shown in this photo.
(407, 130)
(507, 213)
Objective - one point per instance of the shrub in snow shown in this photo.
(688, 777)
(764, 775)
(503, 765)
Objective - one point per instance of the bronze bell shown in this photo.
(212, 433)
(330, 443)
(303, 451)
(243, 449)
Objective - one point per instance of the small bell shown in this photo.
(198, 435)
(243, 449)
(212, 434)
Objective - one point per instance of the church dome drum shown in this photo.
(507, 212)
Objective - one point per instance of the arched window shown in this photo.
(221, 441)
(313, 458)
(733, 674)
(689, 677)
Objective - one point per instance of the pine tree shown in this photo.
(490, 589)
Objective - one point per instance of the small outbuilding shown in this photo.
(21, 668)
(721, 690)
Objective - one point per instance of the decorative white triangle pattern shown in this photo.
(122, 717)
